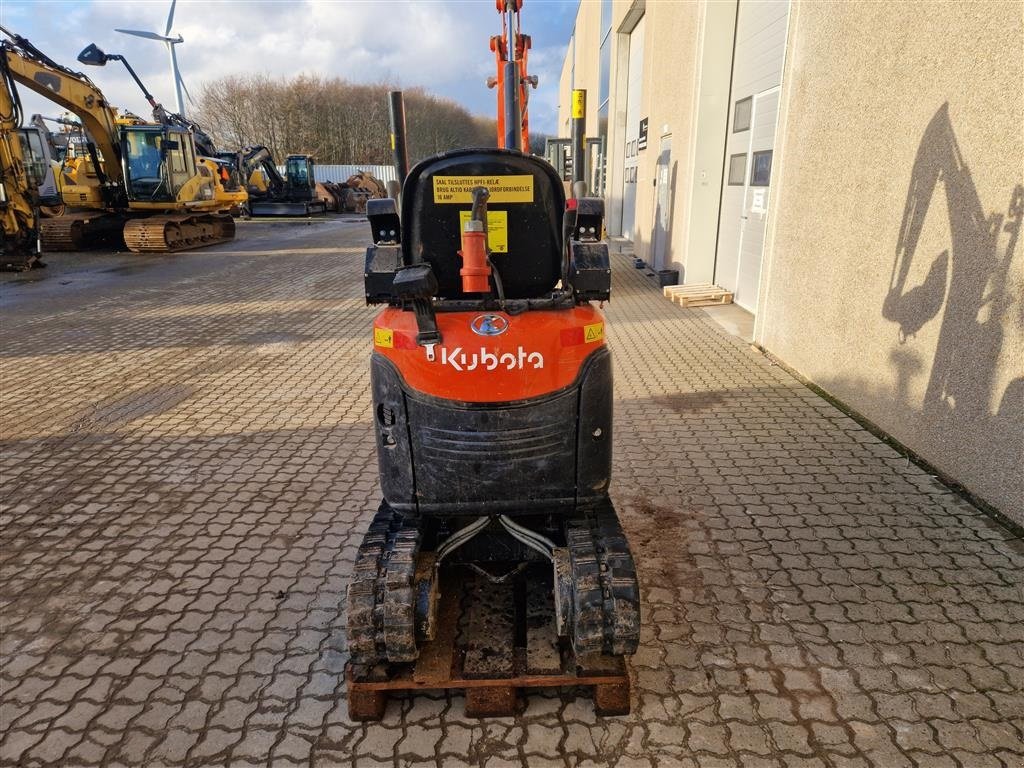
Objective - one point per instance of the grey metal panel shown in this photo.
(339, 173)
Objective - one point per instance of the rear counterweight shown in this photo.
(445, 457)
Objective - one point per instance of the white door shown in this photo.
(756, 198)
(662, 204)
(634, 91)
(760, 50)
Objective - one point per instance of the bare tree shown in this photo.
(332, 119)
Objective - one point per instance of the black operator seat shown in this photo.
(525, 213)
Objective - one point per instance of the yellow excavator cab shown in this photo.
(161, 167)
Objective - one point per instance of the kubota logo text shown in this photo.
(491, 361)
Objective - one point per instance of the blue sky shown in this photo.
(441, 45)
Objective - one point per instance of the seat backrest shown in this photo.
(525, 211)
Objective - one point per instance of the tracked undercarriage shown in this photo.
(178, 232)
(85, 230)
(394, 593)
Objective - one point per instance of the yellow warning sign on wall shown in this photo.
(592, 333)
(503, 189)
(384, 337)
(497, 229)
(579, 104)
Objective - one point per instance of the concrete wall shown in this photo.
(892, 273)
(669, 101)
(581, 67)
(687, 65)
(671, 45)
(894, 276)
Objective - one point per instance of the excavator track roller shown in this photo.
(167, 234)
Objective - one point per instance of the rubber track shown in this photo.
(606, 594)
(381, 599)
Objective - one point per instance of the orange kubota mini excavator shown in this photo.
(492, 394)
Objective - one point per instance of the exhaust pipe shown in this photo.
(396, 114)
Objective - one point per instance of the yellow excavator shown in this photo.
(229, 188)
(19, 204)
(151, 184)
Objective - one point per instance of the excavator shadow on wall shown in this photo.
(971, 289)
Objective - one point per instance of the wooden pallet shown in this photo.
(697, 295)
(492, 642)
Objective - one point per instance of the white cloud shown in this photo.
(442, 46)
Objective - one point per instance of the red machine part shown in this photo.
(537, 353)
(475, 271)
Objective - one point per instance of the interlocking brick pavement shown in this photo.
(188, 468)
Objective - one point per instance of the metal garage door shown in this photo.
(746, 185)
(634, 91)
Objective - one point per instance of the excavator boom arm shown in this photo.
(259, 157)
(511, 51)
(71, 90)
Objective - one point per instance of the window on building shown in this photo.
(741, 114)
(761, 169)
(737, 170)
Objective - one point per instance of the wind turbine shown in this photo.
(170, 42)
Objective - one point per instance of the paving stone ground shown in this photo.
(188, 468)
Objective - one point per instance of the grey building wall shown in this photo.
(894, 271)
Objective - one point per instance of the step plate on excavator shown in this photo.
(492, 642)
(178, 232)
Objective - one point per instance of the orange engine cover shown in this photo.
(492, 357)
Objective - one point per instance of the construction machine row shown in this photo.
(108, 177)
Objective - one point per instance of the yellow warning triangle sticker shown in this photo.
(593, 332)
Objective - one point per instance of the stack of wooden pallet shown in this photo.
(697, 295)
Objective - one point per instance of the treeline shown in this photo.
(334, 120)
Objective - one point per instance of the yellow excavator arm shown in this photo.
(30, 67)
(19, 214)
